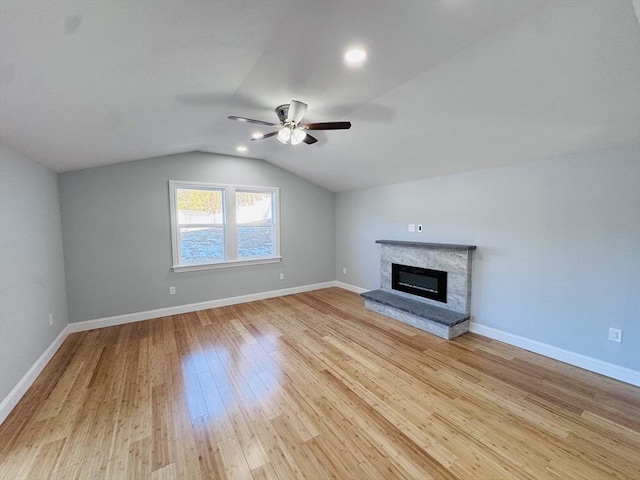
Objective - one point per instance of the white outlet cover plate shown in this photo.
(615, 335)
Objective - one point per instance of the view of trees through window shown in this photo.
(208, 202)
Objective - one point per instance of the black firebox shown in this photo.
(423, 282)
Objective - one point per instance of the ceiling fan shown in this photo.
(290, 130)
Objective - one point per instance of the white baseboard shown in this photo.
(351, 288)
(11, 400)
(191, 307)
(593, 365)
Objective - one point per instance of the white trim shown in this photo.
(235, 263)
(229, 225)
(611, 370)
(351, 288)
(11, 400)
(190, 307)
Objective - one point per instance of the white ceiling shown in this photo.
(449, 85)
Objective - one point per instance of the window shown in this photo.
(215, 226)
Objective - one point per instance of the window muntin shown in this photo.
(223, 225)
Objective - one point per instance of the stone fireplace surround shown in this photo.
(447, 320)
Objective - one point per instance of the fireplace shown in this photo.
(422, 282)
(425, 285)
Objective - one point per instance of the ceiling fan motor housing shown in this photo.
(282, 111)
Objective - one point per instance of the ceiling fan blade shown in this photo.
(296, 111)
(309, 140)
(251, 120)
(327, 126)
(266, 135)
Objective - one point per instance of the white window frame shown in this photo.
(230, 227)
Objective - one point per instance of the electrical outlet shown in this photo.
(51, 319)
(172, 290)
(344, 271)
(282, 276)
(412, 227)
(615, 335)
(419, 228)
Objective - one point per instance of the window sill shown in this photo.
(236, 263)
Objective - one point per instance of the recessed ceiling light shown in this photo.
(257, 135)
(355, 56)
(241, 149)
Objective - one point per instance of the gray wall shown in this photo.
(117, 241)
(32, 281)
(558, 257)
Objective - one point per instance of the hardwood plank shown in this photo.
(46, 460)
(235, 464)
(265, 472)
(206, 442)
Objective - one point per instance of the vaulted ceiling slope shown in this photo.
(448, 86)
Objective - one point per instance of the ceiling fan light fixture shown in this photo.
(291, 130)
(284, 135)
(297, 136)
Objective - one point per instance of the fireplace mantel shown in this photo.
(433, 246)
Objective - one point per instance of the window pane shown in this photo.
(254, 217)
(198, 245)
(199, 206)
(255, 242)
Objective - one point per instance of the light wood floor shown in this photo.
(313, 386)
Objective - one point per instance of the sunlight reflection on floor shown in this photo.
(207, 375)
